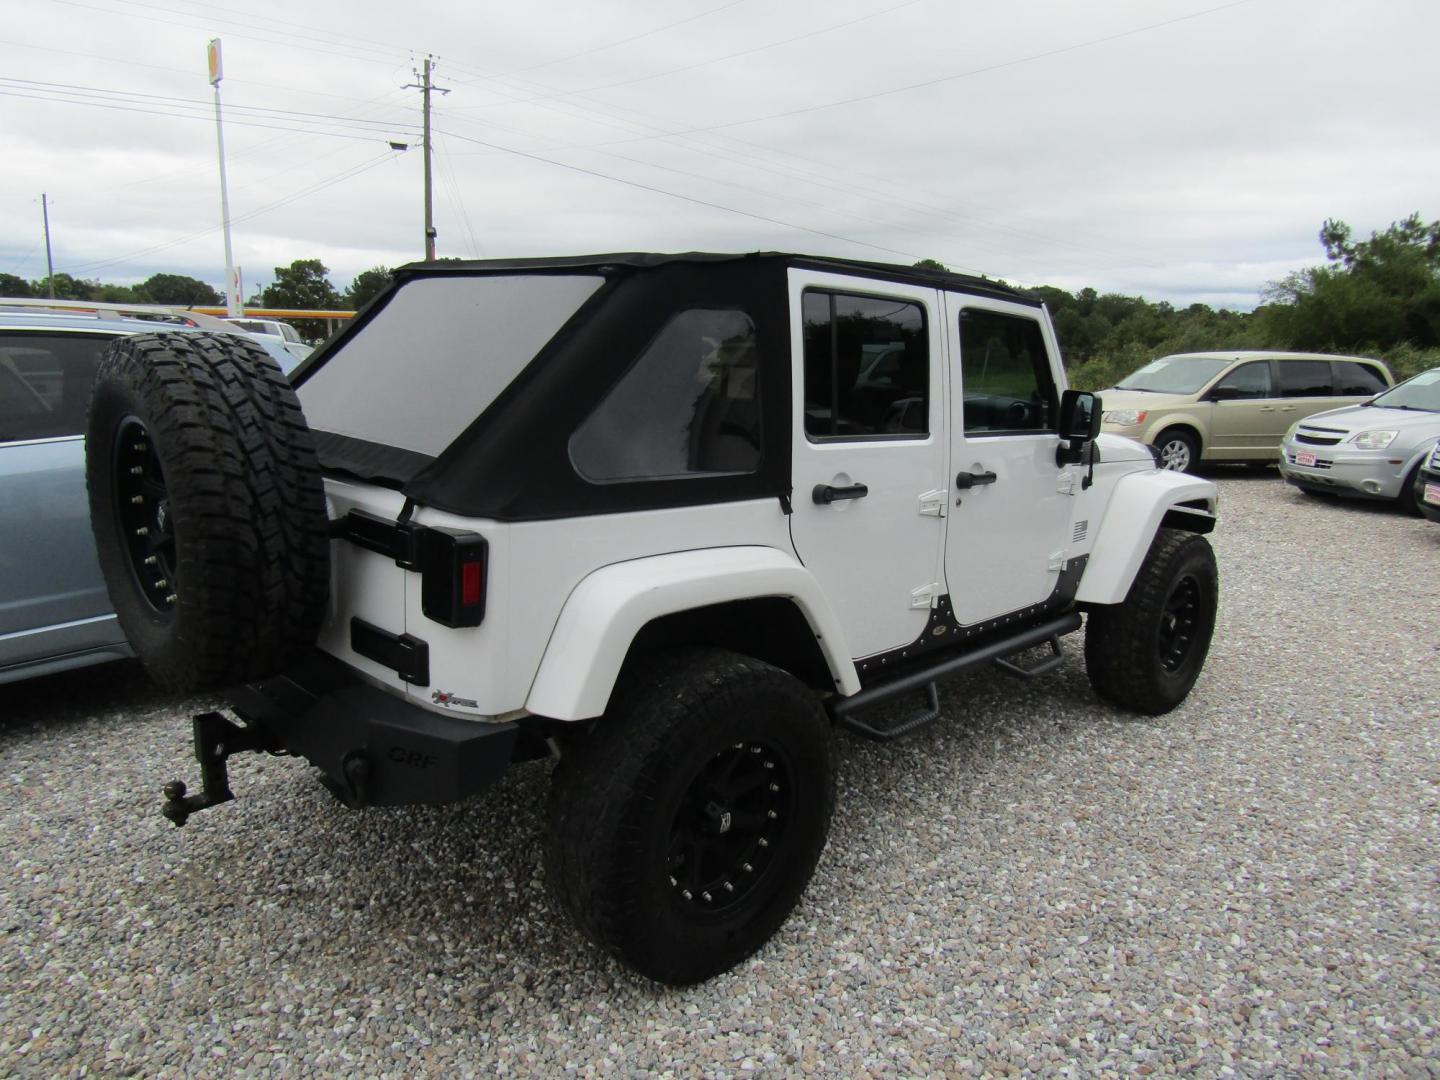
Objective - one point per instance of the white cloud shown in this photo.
(1056, 143)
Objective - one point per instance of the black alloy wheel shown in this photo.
(1178, 623)
(731, 821)
(142, 506)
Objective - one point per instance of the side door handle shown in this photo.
(973, 479)
(825, 494)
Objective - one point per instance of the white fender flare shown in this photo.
(1136, 510)
(609, 607)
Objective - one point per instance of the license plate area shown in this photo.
(1432, 493)
(1303, 457)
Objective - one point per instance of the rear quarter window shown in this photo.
(45, 383)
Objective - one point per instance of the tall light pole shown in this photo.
(232, 281)
(49, 262)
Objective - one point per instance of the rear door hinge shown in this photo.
(933, 503)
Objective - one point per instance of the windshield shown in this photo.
(1175, 374)
(436, 355)
(1422, 393)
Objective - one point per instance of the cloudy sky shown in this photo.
(1179, 149)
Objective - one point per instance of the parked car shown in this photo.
(1427, 486)
(54, 610)
(281, 332)
(1373, 450)
(1232, 406)
(673, 532)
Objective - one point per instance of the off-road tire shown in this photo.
(1146, 653)
(208, 508)
(634, 801)
(1179, 450)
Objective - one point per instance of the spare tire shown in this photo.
(208, 507)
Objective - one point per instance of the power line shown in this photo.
(676, 195)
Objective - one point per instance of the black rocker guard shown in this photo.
(371, 747)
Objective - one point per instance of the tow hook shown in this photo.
(216, 738)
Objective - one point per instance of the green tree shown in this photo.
(305, 284)
(1381, 293)
(367, 285)
(68, 288)
(177, 289)
(931, 264)
(11, 285)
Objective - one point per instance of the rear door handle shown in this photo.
(973, 479)
(825, 494)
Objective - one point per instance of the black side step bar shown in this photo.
(844, 710)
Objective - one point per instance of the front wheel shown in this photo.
(1179, 450)
(686, 824)
(1146, 653)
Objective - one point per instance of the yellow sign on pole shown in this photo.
(212, 55)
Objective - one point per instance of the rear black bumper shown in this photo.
(373, 748)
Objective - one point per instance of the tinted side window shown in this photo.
(1356, 380)
(1005, 373)
(45, 383)
(867, 367)
(1304, 378)
(1250, 380)
(690, 405)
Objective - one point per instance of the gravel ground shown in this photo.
(1038, 884)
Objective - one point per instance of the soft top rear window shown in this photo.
(437, 354)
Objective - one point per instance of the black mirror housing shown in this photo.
(1080, 416)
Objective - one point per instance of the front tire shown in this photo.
(686, 824)
(207, 506)
(1179, 450)
(1146, 653)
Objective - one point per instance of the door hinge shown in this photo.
(932, 503)
(1065, 483)
(924, 596)
(1056, 562)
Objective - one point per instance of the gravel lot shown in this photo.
(1038, 884)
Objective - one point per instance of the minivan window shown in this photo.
(1356, 380)
(1250, 380)
(1175, 374)
(1305, 378)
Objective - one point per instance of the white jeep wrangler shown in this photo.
(668, 519)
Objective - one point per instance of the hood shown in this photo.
(1115, 398)
(1355, 418)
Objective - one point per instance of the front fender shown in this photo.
(610, 606)
(1135, 512)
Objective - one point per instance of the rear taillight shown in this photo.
(452, 576)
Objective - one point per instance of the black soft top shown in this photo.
(619, 262)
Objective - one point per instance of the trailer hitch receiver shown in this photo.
(216, 738)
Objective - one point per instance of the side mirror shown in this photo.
(1080, 416)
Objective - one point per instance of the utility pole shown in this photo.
(425, 88)
(232, 282)
(49, 262)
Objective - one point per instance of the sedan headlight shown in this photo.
(1124, 417)
(1373, 440)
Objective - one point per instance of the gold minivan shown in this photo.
(1233, 406)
